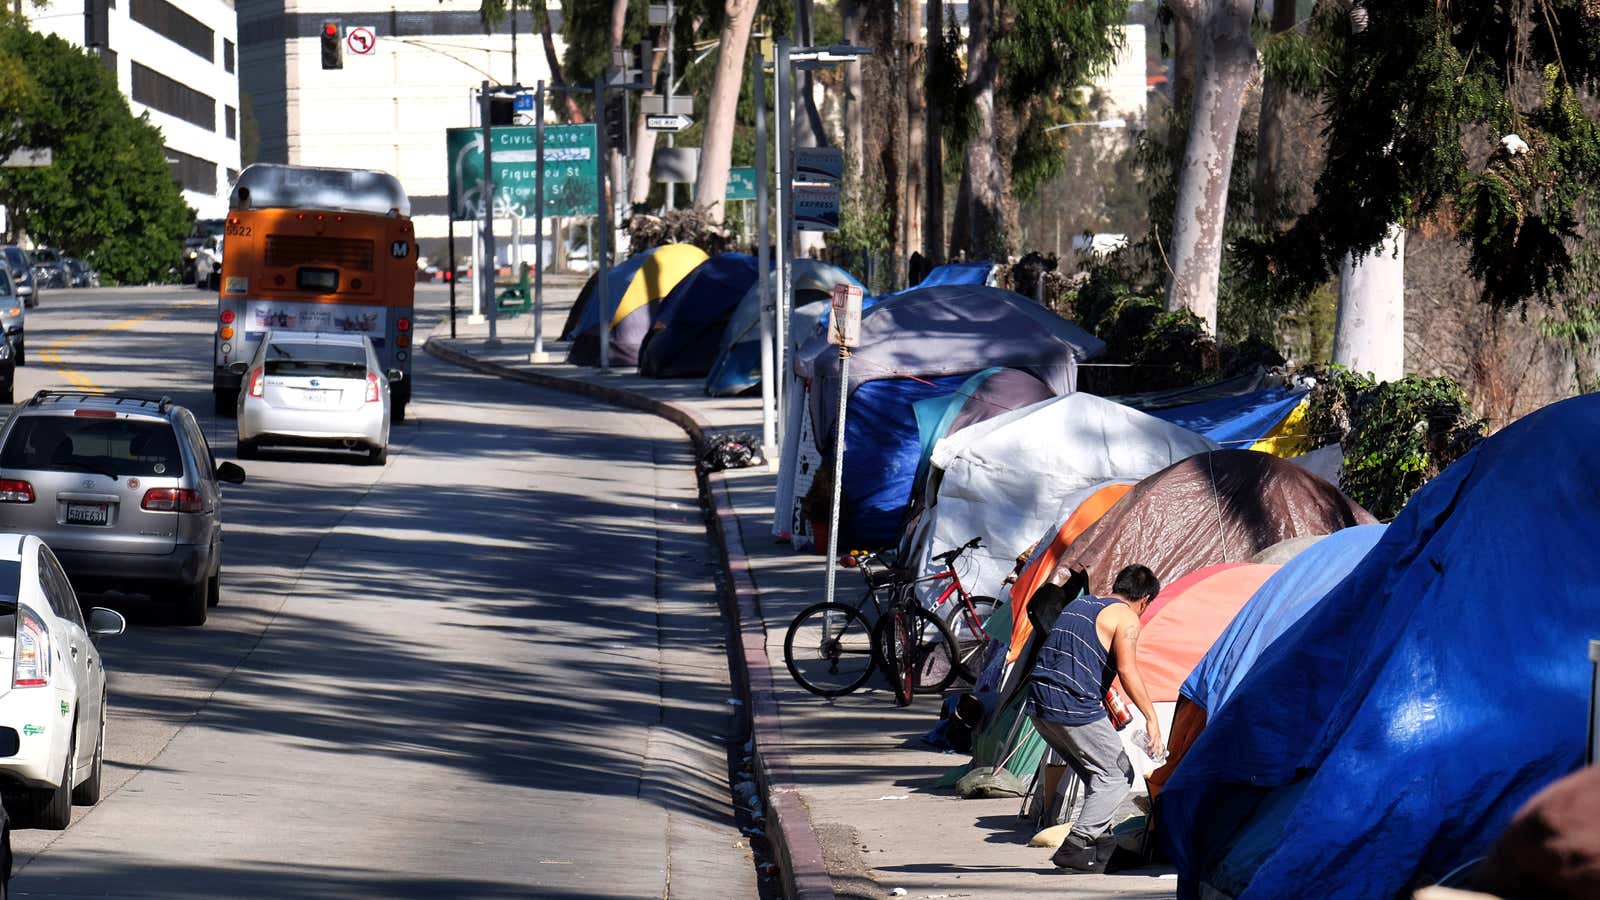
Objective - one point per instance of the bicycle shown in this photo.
(964, 619)
(909, 650)
(828, 648)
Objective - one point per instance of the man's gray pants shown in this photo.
(1095, 753)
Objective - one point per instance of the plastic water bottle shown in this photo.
(1142, 740)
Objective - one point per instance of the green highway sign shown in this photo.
(742, 183)
(570, 160)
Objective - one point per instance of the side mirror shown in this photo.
(238, 368)
(230, 473)
(396, 375)
(106, 622)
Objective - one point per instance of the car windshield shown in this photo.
(305, 358)
(16, 257)
(114, 447)
(44, 256)
(5, 286)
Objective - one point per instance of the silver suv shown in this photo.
(123, 488)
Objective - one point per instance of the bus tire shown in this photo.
(397, 410)
(225, 401)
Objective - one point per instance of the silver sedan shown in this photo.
(315, 389)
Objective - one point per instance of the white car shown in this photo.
(53, 711)
(315, 389)
(208, 264)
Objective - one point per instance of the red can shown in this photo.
(1118, 708)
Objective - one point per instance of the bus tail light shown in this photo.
(227, 332)
(372, 387)
(403, 323)
(227, 317)
(256, 378)
(403, 340)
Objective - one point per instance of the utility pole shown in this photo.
(769, 425)
(486, 288)
(602, 248)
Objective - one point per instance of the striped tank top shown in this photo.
(1073, 673)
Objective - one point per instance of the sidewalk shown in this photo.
(851, 803)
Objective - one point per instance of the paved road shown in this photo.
(491, 668)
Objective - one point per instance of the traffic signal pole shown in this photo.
(601, 253)
(486, 289)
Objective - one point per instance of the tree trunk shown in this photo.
(615, 162)
(1272, 141)
(1370, 332)
(909, 196)
(933, 198)
(716, 150)
(1227, 64)
(979, 217)
(854, 133)
(644, 140)
(1185, 57)
(553, 59)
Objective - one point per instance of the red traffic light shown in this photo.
(330, 29)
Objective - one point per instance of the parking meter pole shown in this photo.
(538, 226)
(451, 272)
(599, 253)
(486, 289)
(769, 425)
(838, 469)
(781, 298)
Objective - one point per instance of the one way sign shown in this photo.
(668, 123)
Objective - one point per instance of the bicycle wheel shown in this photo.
(829, 649)
(916, 651)
(972, 641)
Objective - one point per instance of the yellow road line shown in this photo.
(52, 352)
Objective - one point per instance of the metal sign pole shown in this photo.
(1594, 703)
(781, 316)
(452, 273)
(599, 252)
(769, 425)
(838, 468)
(490, 269)
(538, 228)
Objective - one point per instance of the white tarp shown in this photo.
(1006, 479)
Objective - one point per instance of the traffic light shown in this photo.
(617, 122)
(502, 111)
(332, 46)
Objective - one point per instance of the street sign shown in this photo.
(844, 324)
(525, 102)
(674, 105)
(28, 158)
(818, 165)
(816, 207)
(667, 123)
(742, 183)
(361, 40)
(570, 161)
(660, 14)
(676, 164)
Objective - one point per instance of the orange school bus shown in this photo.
(309, 249)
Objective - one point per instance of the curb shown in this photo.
(794, 840)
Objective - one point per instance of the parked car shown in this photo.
(48, 269)
(315, 389)
(203, 229)
(13, 317)
(54, 710)
(81, 274)
(21, 266)
(208, 264)
(123, 488)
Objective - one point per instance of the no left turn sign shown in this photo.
(361, 40)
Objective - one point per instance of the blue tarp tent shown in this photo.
(1389, 736)
(882, 448)
(976, 272)
(737, 367)
(1236, 421)
(683, 342)
(1289, 594)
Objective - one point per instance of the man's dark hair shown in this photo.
(1136, 583)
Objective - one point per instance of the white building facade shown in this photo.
(385, 109)
(178, 63)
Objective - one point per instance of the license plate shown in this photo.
(318, 397)
(88, 513)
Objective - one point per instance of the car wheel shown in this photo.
(247, 449)
(397, 410)
(191, 600)
(377, 455)
(52, 807)
(88, 793)
(214, 589)
(225, 401)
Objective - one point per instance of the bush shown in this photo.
(677, 226)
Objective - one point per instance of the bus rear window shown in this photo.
(323, 281)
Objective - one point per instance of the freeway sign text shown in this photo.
(570, 161)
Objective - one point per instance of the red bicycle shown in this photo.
(962, 612)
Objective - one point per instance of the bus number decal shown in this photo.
(400, 249)
(240, 230)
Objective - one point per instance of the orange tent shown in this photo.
(1043, 564)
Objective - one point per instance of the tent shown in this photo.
(737, 367)
(992, 393)
(975, 272)
(1216, 507)
(636, 294)
(1390, 735)
(683, 342)
(1007, 478)
(920, 345)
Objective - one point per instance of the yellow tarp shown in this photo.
(658, 276)
(1288, 438)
